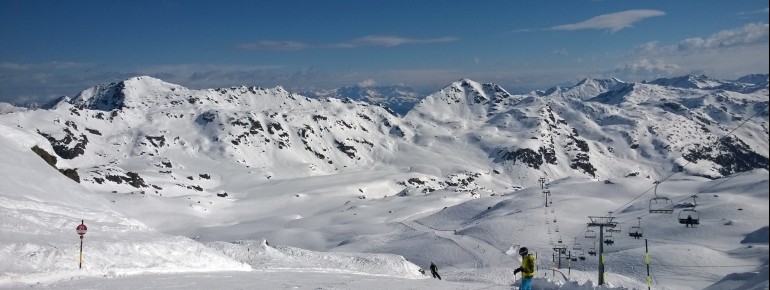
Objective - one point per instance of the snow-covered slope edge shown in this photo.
(262, 256)
(40, 209)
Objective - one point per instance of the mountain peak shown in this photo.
(111, 96)
(689, 82)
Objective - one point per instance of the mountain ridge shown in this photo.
(567, 132)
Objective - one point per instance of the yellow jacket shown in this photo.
(528, 266)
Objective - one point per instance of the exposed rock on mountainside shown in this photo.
(121, 133)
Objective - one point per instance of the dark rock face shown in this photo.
(581, 162)
(731, 154)
(526, 156)
(157, 141)
(350, 151)
(51, 160)
(70, 146)
(71, 173)
(131, 178)
(110, 97)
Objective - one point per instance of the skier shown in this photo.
(527, 269)
(689, 222)
(434, 271)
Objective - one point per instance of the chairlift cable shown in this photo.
(688, 162)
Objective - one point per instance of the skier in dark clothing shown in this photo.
(434, 271)
(688, 223)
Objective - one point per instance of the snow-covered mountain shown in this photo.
(129, 132)
(245, 163)
(400, 99)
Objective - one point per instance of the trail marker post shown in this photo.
(81, 230)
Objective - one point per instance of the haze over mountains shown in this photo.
(209, 164)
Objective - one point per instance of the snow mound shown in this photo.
(261, 256)
(744, 281)
(40, 209)
(759, 236)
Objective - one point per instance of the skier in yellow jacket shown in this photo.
(527, 269)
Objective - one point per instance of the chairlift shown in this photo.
(615, 229)
(689, 217)
(608, 239)
(559, 240)
(576, 246)
(590, 234)
(557, 229)
(693, 204)
(592, 250)
(636, 231)
(661, 204)
(582, 255)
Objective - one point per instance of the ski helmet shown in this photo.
(523, 251)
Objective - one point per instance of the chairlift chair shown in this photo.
(608, 239)
(689, 217)
(661, 204)
(592, 250)
(582, 255)
(590, 234)
(636, 231)
(615, 229)
(576, 246)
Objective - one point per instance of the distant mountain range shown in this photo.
(127, 134)
(399, 99)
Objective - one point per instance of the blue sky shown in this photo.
(54, 48)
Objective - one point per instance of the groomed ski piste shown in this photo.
(379, 244)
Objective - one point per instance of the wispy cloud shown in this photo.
(390, 41)
(748, 35)
(760, 11)
(648, 67)
(51, 65)
(560, 51)
(284, 45)
(613, 22)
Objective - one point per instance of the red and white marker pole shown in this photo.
(81, 229)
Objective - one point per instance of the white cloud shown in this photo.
(649, 67)
(390, 41)
(285, 45)
(13, 66)
(761, 11)
(367, 83)
(612, 22)
(748, 35)
(561, 51)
